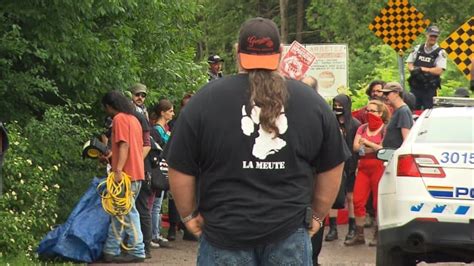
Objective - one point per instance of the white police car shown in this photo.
(426, 194)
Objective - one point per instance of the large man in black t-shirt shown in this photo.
(261, 151)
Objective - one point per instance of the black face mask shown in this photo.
(338, 111)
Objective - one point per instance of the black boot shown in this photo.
(359, 239)
(352, 229)
(332, 234)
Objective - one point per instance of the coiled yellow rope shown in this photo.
(117, 200)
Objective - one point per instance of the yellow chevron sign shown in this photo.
(398, 25)
(460, 46)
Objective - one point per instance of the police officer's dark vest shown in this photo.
(424, 59)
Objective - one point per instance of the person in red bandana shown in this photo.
(367, 141)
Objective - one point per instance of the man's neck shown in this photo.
(398, 103)
(429, 46)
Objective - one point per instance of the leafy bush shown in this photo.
(44, 176)
(58, 140)
(28, 206)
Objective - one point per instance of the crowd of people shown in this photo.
(134, 133)
(256, 162)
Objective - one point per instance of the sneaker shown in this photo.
(160, 242)
(110, 258)
(129, 258)
(164, 243)
(123, 258)
(154, 244)
(160, 237)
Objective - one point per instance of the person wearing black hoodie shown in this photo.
(341, 106)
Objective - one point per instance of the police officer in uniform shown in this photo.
(215, 67)
(426, 64)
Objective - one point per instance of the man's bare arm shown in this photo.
(326, 187)
(433, 70)
(183, 188)
(121, 160)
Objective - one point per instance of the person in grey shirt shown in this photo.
(401, 121)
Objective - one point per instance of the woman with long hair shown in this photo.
(162, 113)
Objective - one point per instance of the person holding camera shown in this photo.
(426, 64)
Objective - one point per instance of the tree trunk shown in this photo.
(299, 20)
(284, 20)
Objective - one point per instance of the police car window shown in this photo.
(446, 130)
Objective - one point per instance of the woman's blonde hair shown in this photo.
(381, 107)
(269, 92)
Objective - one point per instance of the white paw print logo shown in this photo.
(266, 143)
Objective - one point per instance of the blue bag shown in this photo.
(83, 235)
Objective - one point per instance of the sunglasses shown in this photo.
(140, 94)
(385, 93)
(372, 111)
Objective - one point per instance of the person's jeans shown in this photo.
(134, 232)
(294, 250)
(145, 215)
(156, 216)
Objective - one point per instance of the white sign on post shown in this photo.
(330, 67)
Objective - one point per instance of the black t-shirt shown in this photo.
(401, 118)
(253, 189)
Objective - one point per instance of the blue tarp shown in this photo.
(83, 235)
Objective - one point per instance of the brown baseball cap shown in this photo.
(259, 44)
(138, 87)
(392, 86)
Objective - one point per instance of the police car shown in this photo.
(426, 194)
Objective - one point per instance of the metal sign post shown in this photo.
(401, 70)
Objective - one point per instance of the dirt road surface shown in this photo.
(183, 253)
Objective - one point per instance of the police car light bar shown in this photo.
(453, 102)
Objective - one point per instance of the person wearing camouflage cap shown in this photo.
(139, 93)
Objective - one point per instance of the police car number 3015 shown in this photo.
(457, 157)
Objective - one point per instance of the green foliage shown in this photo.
(58, 140)
(369, 59)
(57, 52)
(44, 176)
(29, 204)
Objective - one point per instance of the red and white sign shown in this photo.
(296, 62)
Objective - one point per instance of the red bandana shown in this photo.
(375, 122)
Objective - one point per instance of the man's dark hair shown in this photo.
(186, 97)
(119, 102)
(373, 84)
